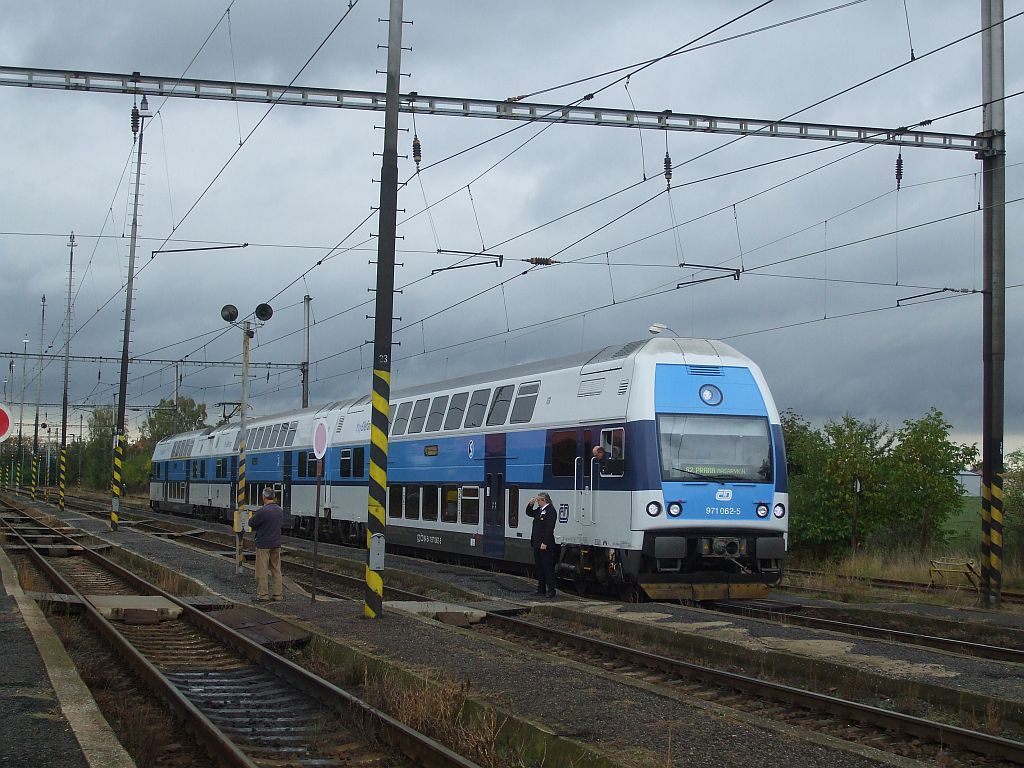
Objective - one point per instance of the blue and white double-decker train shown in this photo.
(690, 502)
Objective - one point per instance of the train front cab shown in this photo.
(715, 527)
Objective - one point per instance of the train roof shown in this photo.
(705, 350)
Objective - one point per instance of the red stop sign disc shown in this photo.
(6, 423)
(320, 439)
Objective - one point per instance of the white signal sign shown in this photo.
(6, 423)
(320, 439)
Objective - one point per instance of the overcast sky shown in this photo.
(824, 325)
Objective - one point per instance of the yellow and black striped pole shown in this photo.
(986, 543)
(996, 538)
(17, 477)
(115, 482)
(35, 476)
(63, 476)
(383, 313)
(241, 516)
(375, 517)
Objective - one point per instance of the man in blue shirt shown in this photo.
(266, 526)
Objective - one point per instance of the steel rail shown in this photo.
(963, 647)
(917, 586)
(216, 742)
(416, 746)
(979, 743)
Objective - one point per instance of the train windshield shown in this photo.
(726, 449)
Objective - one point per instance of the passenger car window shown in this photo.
(526, 401)
(563, 453)
(500, 404)
(477, 408)
(430, 502)
(402, 419)
(470, 505)
(456, 410)
(419, 415)
(436, 413)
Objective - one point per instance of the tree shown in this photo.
(907, 482)
(98, 452)
(1013, 503)
(925, 465)
(166, 420)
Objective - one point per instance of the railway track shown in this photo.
(849, 721)
(1008, 596)
(246, 705)
(780, 615)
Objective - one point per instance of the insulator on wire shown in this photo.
(899, 169)
(417, 151)
(135, 121)
(668, 171)
(540, 261)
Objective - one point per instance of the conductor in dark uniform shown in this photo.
(542, 539)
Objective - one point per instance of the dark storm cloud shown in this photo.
(305, 180)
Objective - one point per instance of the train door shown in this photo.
(585, 498)
(286, 483)
(233, 483)
(494, 500)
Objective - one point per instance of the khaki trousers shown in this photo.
(268, 561)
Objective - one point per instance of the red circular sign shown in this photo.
(320, 439)
(6, 423)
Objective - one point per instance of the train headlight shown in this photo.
(675, 508)
(780, 510)
(762, 509)
(654, 509)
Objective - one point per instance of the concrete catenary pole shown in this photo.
(67, 360)
(384, 306)
(139, 116)
(994, 308)
(39, 397)
(305, 359)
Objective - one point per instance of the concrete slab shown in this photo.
(113, 607)
(264, 628)
(449, 613)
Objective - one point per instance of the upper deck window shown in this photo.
(419, 415)
(437, 408)
(526, 401)
(477, 408)
(402, 419)
(456, 410)
(500, 404)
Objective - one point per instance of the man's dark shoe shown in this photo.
(539, 592)
(551, 593)
(261, 600)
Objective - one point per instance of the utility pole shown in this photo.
(305, 360)
(139, 115)
(994, 292)
(383, 311)
(21, 417)
(39, 397)
(64, 406)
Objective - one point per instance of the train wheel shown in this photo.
(631, 593)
